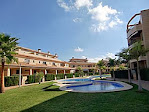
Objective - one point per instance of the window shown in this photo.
(54, 64)
(26, 60)
(17, 71)
(44, 62)
(39, 61)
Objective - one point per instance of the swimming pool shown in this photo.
(97, 86)
(76, 80)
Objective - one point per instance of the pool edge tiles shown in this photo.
(125, 87)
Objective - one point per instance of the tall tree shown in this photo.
(137, 51)
(125, 56)
(8, 46)
(101, 66)
(112, 64)
(80, 71)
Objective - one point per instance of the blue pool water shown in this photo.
(77, 80)
(96, 86)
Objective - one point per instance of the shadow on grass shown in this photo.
(93, 102)
(51, 88)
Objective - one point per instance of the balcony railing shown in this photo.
(134, 30)
(132, 45)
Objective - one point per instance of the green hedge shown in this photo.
(11, 80)
(60, 76)
(76, 74)
(96, 73)
(32, 79)
(144, 74)
(69, 75)
(120, 74)
(49, 77)
(90, 73)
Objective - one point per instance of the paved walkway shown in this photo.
(145, 84)
(12, 87)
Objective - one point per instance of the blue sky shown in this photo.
(81, 28)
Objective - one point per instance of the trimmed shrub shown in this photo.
(32, 79)
(49, 77)
(69, 75)
(144, 74)
(11, 81)
(90, 73)
(60, 76)
(120, 74)
(96, 73)
(76, 74)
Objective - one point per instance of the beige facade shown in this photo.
(83, 63)
(139, 32)
(32, 61)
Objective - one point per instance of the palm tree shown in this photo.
(8, 46)
(80, 71)
(101, 65)
(111, 65)
(125, 56)
(137, 51)
(39, 76)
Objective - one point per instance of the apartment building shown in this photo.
(32, 61)
(83, 63)
(139, 32)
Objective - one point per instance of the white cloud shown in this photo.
(112, 24)
(103, 16)
(76, 20)
(96, 59)
(110, 55)
(83, 3)
(78, 49)
(62, 4)
(99, 27)
(102, 13)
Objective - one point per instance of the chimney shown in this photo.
(56, 54)
(48, 52)
(72, 57)
(39, 50)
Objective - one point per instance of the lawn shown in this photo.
(45, 97)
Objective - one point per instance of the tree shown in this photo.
(39, 76)
(111, 64)
(125, 56)
(101, 66)
(137, 51)
(8, 46)
(80, 71)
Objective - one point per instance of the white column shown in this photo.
(45, 71)
(8, 72)
(94, 72)
(20, 77)
(64, 72)
(55, 75)
(31, 72)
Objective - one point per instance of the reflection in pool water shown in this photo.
(96, 86)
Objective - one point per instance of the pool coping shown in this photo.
(63, 87)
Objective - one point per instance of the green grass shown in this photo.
(51, 99)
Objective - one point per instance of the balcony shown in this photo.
(132, 45)
(141, 58)
(134, 30)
